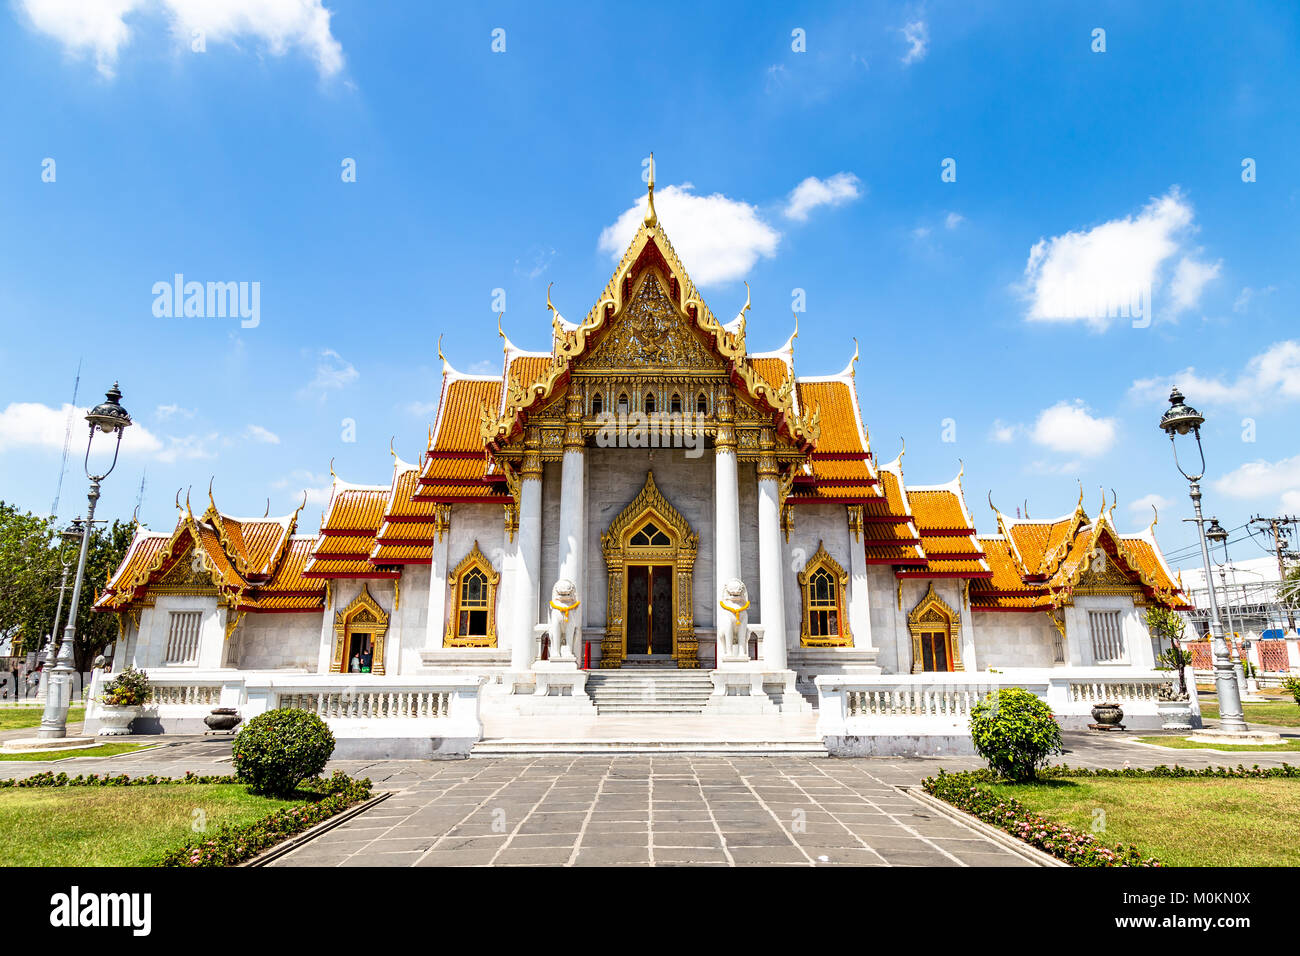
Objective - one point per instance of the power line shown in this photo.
(67, 442)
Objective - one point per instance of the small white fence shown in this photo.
(930, 713)
(369, 715)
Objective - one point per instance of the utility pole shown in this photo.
(1274, 526)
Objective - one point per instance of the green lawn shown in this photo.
(1182, 743)
(1182, 822)
(116, 826)
(16, 718)
(1281, 714)
(105, 750)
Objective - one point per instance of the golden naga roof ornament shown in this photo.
(211, 479)
(267, 512)
(441, 358)
(1026, 508)
(391, 450)
(853, 362)
(505, 341)
(1155, 516)
(1079, 507)
(336, 477)
(1114, 500)
(178, 501)
(650, 217)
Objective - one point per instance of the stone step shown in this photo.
(520, 747)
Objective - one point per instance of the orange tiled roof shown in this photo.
(460, 410)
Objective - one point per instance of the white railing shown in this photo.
(172, 694)
(354, 705)
(854, 705)
(371, 704)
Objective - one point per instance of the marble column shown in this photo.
(770, 564)
(436, 622)
(572, 498)
(528, 558)
(726, 500)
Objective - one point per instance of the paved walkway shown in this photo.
(670, 809)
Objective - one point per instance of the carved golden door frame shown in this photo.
(620, 554)
(933, 615)
(363, 614)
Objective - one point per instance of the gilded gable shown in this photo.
(650, 334)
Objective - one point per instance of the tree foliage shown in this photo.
(30, 567)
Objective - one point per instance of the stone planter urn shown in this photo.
(1108, 716)
(223, 720)
(1175, 714)
(115, 720)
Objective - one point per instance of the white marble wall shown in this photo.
(276, 641)
(147, 647)
(813, 523)
(1010, 639)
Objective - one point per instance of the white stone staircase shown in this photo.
(645, 690)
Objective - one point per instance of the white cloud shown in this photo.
(1103, 273)
(332, 372)
(164, 412)
(719, 239)
(953, 220)
(1262, 480)
(1272, 375)
(318, 487)
(421, 409)
(814, 192)
(1142, 507)
(1247, 294)
(1189, 279)
(917, 36)
(265, 436)
(33, 425)
(1071, 428)
(99, 27)
(1004, 433)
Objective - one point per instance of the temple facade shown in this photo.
(647, 493)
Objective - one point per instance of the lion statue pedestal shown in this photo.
(560, 684)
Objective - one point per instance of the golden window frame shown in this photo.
(365, 613)
(475, 560)
(932, 614)
(821, 560)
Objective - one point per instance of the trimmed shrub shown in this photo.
(279, 749)
(1015, 732)
(1292, 685)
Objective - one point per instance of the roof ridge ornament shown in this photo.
(651, 218)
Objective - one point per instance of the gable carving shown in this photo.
(650, 334)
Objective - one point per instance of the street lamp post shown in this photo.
(71, 534)
(1179, 419)
(1217, 534)
(110, 418)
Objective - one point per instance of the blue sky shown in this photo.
(1078, 173)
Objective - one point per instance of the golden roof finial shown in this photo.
(441, 358)
(505, 342)
(961, 469)
(993, 506)
(391, 450)
(650, 217)
(334, 476)
(1079, 506)
(188, 510)
(796, 325)
(211, 479)
(1026, 508)
(1102, 512)
(740, 316)
(1114, 500)
(178, 501)
(1155, 516)
(853, 362)
(267, 512)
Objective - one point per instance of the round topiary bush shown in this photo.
(1015, 732)
(279, 749)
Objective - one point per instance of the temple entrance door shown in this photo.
(650, 609)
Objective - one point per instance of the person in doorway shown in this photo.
(355, 666)
(365, 661)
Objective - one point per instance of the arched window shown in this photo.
(934, 627)
(675, 406)
(822, 583)
(649, 404)
(472, 622)
(623, 404)
(597, 404)
(701, 404)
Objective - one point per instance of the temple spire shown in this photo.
(650, 217)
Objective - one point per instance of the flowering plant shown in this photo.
(128, 689)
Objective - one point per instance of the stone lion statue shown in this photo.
(733, 622)
(566, 622)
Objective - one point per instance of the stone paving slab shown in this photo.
(644, 809)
